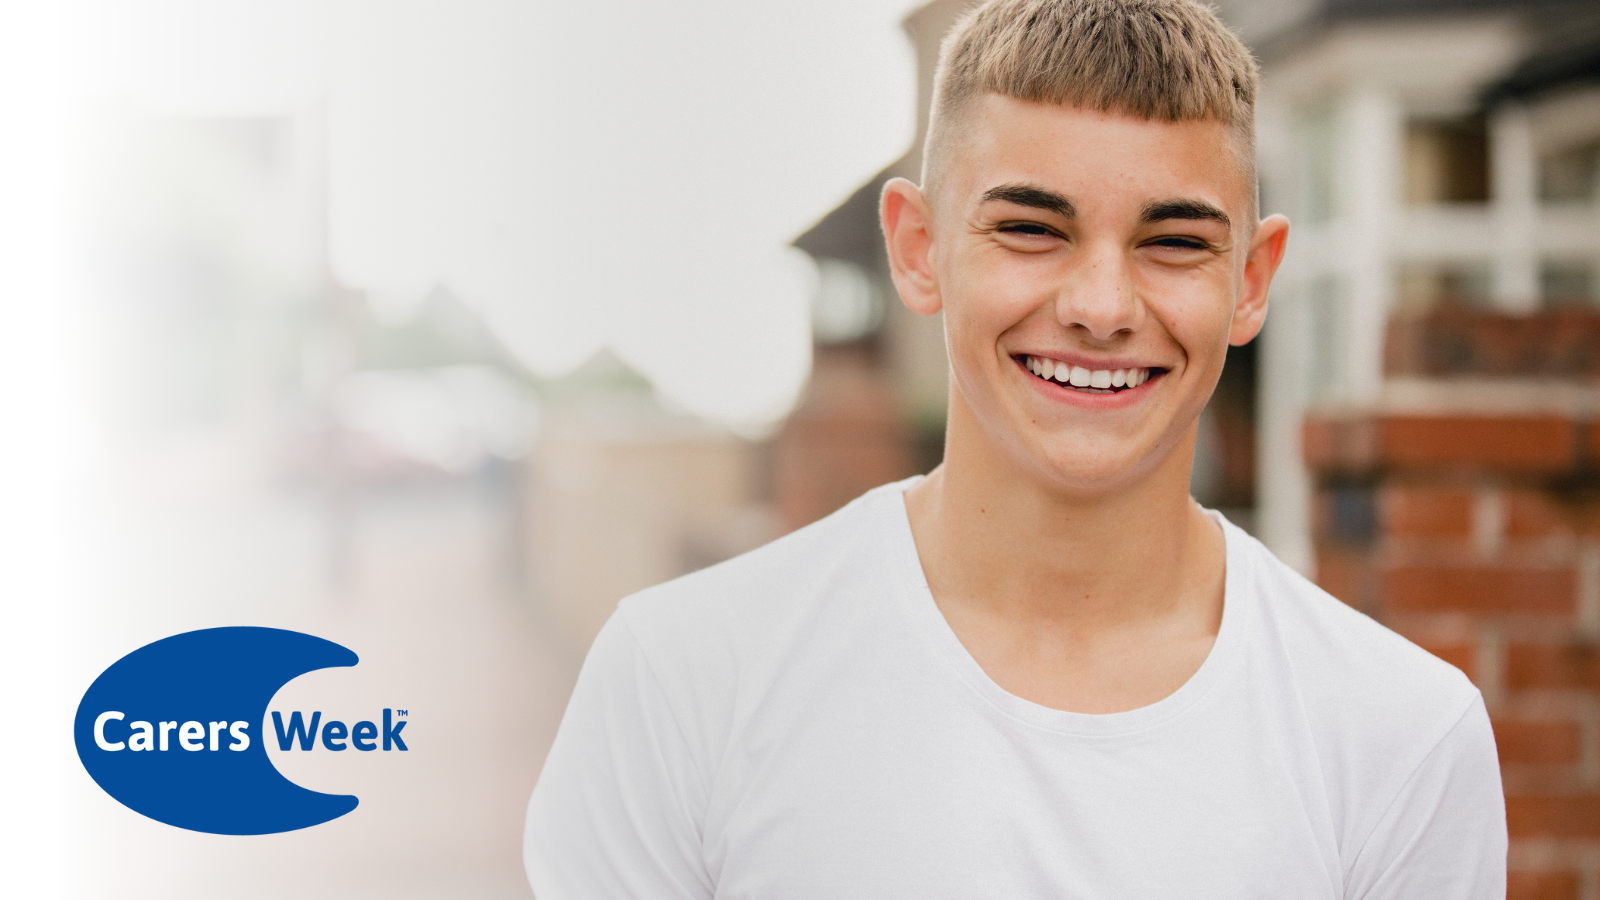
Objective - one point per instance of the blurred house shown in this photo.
(622, 492)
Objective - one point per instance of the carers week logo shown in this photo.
(172, 730)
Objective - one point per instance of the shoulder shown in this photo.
(1377, 706)
(714, 645)
(1353, 675)
(790, 591)
(1341, 651)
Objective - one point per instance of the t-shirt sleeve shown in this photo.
(618, 808)
(1444, 834)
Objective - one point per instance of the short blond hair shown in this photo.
(1170, 60)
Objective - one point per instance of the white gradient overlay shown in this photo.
(584, 174)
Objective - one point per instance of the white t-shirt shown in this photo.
(801, 722)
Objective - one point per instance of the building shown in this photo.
(622, 492)
(1435, 158)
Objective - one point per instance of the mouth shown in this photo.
(1088, 381)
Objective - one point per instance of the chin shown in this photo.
(1081, 472)
(1093, 479)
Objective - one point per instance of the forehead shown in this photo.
(1103, 161)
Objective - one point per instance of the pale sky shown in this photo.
(624, 173)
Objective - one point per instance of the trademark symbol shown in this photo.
(401, 712)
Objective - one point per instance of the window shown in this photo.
(1569, 176)
(1567, 283)
(1447, 161)
(847, 306)
(1422, 286)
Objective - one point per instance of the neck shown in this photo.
(1008, 545)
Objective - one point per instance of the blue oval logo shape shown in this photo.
(171, 730)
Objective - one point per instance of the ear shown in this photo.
(1266, 252)
(906, 230)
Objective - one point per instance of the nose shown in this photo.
(1098, 294)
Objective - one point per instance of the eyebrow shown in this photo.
(1162, 210)
(1043, 198)
(1034, 197)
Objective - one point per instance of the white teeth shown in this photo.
(1078, 376)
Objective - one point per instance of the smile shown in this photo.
(1089, 381)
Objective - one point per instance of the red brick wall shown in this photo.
(1453, 339)
(1478, 537)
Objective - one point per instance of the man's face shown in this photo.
(1091, 267)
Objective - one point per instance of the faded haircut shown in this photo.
(1168, 60)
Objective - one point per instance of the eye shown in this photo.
(1179, 242)
(1028, 237)
(1027, 228)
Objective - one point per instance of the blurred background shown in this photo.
(435, 329)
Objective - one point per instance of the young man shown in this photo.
(1042, 671)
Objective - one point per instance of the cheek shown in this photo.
(1197, 312)
(979, 308)
(970, 337)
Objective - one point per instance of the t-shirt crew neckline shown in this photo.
(931, 626)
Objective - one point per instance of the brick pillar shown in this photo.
(1478, 537)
